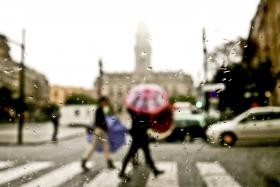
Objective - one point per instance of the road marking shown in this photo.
(6, 164)
(214, 175)
(15, 173)
(58, 176)
(168, 178)
(107, 178)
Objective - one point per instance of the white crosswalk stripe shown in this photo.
(61, 175)
(107, 178)
(17, 172)
(169, 178)
(214, 175)
(6, 164)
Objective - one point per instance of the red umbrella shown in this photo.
(162, 125)
(147, 98)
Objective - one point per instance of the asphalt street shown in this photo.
(185, 164)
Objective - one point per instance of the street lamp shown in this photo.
(21, 86)
(205, 64)
(100, 79)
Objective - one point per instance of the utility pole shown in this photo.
(205, 64)
(100, 78)
(21, 90)
(205, 68)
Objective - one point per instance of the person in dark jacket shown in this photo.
(100, 135)
(53, 113)
(55, 120)
(140, 140)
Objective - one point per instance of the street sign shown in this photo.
(213, 87)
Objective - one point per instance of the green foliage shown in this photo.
(51, 111)
(6, 99)
(7, 105)
(79, 99)
(228, 53)
(182, 98)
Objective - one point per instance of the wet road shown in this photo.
(185, 164)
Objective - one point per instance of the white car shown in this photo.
(260, 123)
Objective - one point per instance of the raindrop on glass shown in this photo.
(144, 53)
(149, 68)
(35, 85)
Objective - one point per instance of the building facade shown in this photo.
(58, 94)
(265, 29)
(116, 85)
(36, 84)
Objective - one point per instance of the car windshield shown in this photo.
(139, 93)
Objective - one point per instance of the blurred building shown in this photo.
(265, 29)
(116, 85)
(58, 94)
(36, 84)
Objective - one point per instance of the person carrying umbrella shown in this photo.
(140, 112)
(140, 140)
(100, 135)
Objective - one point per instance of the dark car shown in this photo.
(188, 126)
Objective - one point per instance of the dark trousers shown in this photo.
(55, 130)
(136, 144)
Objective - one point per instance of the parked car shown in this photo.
(188, 126)
(261, 123)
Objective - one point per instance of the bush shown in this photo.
(79, 99)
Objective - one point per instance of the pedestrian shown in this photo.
(53, 114)
(140, 139)
(55, 121)
(99, 135)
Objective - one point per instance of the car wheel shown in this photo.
(227, 139)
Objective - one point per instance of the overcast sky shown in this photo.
(65, 38)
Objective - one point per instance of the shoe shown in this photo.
(54, 140)
(124, 177)
(111, 164)
(84, 166)
(158, 172)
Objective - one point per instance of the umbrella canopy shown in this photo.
(116, 134)
(147, 98)
(162, 125)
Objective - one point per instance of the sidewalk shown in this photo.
(36, 133)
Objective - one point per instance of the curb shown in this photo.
(38, 143)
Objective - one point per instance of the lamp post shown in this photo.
(205, 68)
(22, 86)
(205, 65)
(100, 79)
(21, 106)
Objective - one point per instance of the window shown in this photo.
(261, 116)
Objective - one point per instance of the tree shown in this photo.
(246, 85)
(227, 54)
(7, 104)
(51, 110)
(79, 99)
(235, 79)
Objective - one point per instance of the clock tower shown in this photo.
(143, 50)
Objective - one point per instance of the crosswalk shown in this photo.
(214, 175)
(49, 174)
